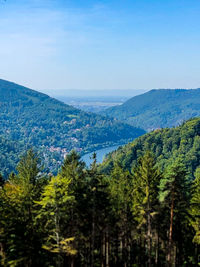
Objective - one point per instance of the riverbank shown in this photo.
(100, 153)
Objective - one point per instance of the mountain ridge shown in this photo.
(158, 108)
(55, 128)
(166, 144)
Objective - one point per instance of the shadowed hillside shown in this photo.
(54, 128)
(166, 144)
(158, 108)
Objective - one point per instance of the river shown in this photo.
(101, 153)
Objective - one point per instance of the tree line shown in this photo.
(84, 217)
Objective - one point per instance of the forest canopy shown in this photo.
(136, 209)
(33, 119)
(158, 108)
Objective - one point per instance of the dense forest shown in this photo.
(166, 144)
(9, 155)
(54, 128)
(141, 207)
(158, 108)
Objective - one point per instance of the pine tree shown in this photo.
(73, 168)
(174, 197)
(195, 207)
(120, 185)
(98, 214)
(20, 234)
(28, 167)
(146, 177)
(54, 204)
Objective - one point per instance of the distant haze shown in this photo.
(92, 44)
(94, 93)
(93, 100)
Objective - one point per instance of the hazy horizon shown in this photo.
(63, 44)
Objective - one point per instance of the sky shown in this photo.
(89, 44)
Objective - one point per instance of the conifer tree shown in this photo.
(98, 212)
(73, 168)
(20, 233)
(54, 204)
(146, 177)
(120, 185)
(195, 207)
(28, 167)
(174, 197)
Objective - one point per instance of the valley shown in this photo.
(102, 204)
(99, 133)
(158, 108)
(94, 100)
(49, 169)
(53, 128)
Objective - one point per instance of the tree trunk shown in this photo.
(93, 232)
(169, 256)
(157, 248)
(139, 255)
(57, 233)
(92, 244)
(107, 248)
(129, 252)
(149, 235)
(72, 262)
(120, 248)
(103, 250)
(125, 252)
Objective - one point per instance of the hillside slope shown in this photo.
(166, 144)
(158, 108)
(53, 127)
(9, 155)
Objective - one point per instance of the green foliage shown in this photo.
(176, 183)
(73, 167)
(174, 196)
(146, 178)
(158, 108)
(121, 219)
(166, 145)
(195, 206)
(120, 189)
(55, 194)
(52, 127)
(17, 220)
(177, 156)
(28, 167)
(9, 155)
(89, 217)
(54, 204)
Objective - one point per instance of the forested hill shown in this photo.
(158, 108)
(54, 128)
(166, 144)
(118, 218)
(9, 155)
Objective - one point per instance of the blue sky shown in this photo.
(82, 44)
